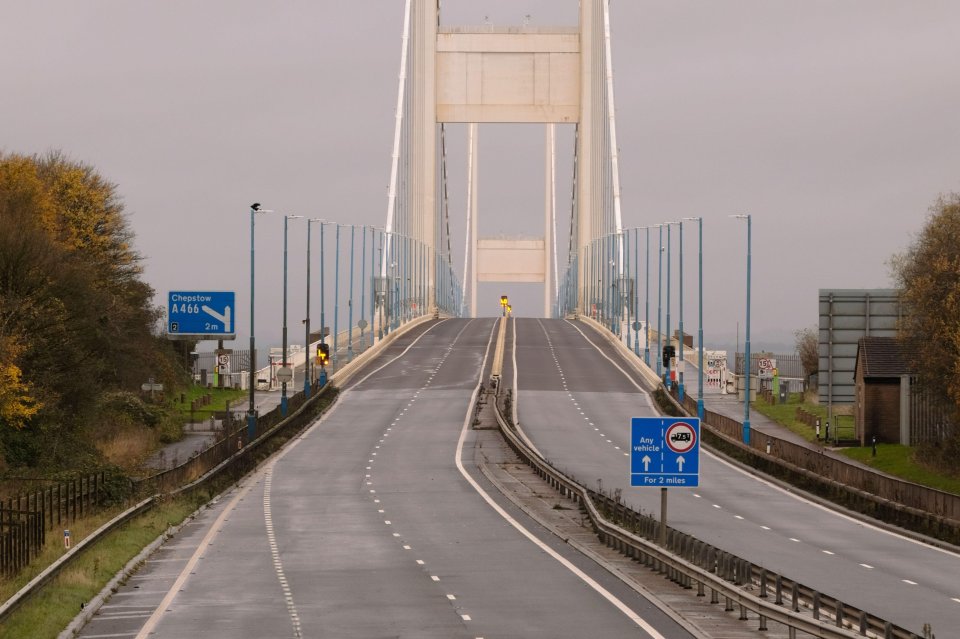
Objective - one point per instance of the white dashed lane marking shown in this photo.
(396, 421)
(576, 404)
(275, 553)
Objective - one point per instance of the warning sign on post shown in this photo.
(665, 451)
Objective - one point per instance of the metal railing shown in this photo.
(25, 519)
(691, 563)
(940, 507)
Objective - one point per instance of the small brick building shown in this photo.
(878, 376)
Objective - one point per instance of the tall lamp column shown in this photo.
(699, 221)
(746, 354)
(283, 383)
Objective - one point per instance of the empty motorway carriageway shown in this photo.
(378, 521)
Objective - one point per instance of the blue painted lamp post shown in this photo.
(251, 410)
(680, 327)
(646, 336)
(699, 221)
(746, 354)
(659, 309)
(283, 383)
(308, 377)
(322, 378)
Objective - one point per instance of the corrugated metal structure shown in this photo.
(846, 316)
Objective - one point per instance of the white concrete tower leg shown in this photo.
(586, 151)
(423, 168)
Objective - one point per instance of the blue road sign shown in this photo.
(665, 451)
(201, 314)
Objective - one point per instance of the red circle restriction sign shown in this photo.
(681, 437)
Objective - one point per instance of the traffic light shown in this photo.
(669, 352)
(323, 353)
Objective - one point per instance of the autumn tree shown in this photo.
(928, 274)
(807, 345)
(76, 320)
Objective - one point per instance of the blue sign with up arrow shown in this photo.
(665, 451)
(201, 314)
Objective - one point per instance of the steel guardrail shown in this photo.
(726, 567)
(54, 569)
(8, 607)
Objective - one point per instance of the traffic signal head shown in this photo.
(504, 301)
(669, 352)
(323, 353)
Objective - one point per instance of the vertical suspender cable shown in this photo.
(394, 165)
(553, 207)
(466, 245)
(612, 118)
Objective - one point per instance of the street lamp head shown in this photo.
(693, 219)
(293, 217)
(741, 216)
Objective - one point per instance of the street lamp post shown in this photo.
(336, 302)
(699, 221)
(322, 378)
(308, 377)
(353, 234)
(659, 308)
(251, 410)
(283, 384)
(746, 354)
(646, 320)
(680, 327)
(308, 372)
(666, 363)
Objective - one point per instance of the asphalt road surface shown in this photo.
(375, 524)
(576, 406)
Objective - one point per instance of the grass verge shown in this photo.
(218, 402)
(48, 612)
(900, 461)
(786, 414)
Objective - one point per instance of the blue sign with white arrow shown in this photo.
(201, 314)
(665, 451)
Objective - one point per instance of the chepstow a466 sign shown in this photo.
(201, 314)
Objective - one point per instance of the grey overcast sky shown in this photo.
(834, 122)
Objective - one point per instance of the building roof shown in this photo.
(881, 357)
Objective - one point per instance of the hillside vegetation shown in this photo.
(77, 324)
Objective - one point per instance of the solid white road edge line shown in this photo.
(458, 458)
(643, 392)
(776, 487)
